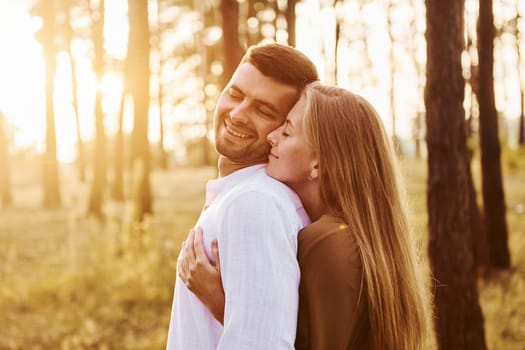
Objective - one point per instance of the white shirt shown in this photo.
(256, 220)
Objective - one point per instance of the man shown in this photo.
(254, 217)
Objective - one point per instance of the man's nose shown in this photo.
(240, 113)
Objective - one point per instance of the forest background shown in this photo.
(106, 145)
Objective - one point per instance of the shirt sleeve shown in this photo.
(260, 273)
(332, 278)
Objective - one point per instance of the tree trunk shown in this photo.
(51, 181)
(492, 182)
(392, 72)
(275, 7)
(163, 162)
(521, 131)
(99, 172)
(290, 21)
(117, 188)
(69, 38)
(253, 35)
(418, 120)
(479, 233)
(50, 167)
(139, 76)
(203, 72)
(230, 29)
(336, 44)
(521, 127)
(459, 321)
(6, 199)
(163, 158)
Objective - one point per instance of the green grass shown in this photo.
(70, 282)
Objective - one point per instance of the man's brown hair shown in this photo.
(282, 63)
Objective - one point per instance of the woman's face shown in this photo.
(291, 158)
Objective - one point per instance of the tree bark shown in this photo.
(69, 38)
(6, 198)
(230, 35)
(479, 233)
(290, 21)
(392, 71)
(99, 159)
(139, 76)
(336, 44)
(47, 11)
(163, 157)
(459, 320)
(521, 127)
(51, 181)
(492, 182)
(117, 187)
(203, 72)
(253, 36)
(521, 131)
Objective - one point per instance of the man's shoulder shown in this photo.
(257, 189)
(260, 182)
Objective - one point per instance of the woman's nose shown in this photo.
(272, 137)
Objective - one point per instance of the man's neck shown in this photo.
(227, 166)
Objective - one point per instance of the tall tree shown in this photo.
(117, 187)
(203, 72)
(459, 320)
(290, 21)
(6, 198)
(419, 67)
(517, 34)
(47, 34)
(230, 37)
(163, 157)
(68, 33)
(139, 85)
(477, 224)
(338, 19)
(99, 173)
(492, 182)
(275, 7)
(392, 69)
(253, 33)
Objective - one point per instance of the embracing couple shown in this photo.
(303, 241)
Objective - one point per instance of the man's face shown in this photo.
(251, 106)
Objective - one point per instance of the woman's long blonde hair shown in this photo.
(359, 181)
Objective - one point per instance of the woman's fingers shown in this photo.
(189, 253)
(198, 246)
(182, 264)
(215, 253)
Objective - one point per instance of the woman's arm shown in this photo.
(199, 275)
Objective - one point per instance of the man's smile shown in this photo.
(234, 132)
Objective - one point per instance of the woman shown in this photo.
(362, 284)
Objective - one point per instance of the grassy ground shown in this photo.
(70, 282)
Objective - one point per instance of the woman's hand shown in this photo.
(199, 275)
